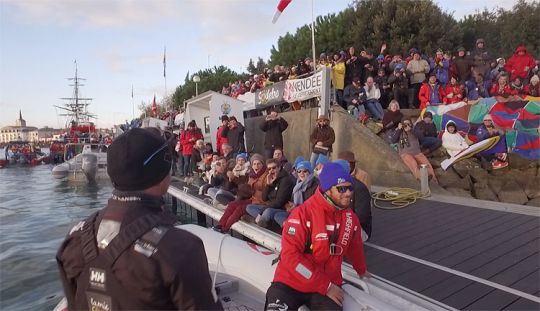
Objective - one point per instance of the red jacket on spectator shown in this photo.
(188, 139)
(425, 95)
(312, 268)
(457, 94)
(220, 140)
(520, 65)
(505, 91)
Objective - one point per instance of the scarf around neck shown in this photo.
(300, 188)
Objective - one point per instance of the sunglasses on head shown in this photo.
(166, 157)
(343, 189)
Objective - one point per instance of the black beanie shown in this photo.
(126, 157)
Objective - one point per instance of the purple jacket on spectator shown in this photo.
(474, 91)
(440, 72)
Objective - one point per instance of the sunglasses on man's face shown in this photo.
(343, 189)
(302, 171)
(272, 167)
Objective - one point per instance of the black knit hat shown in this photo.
(137, 160)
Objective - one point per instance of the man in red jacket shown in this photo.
(220, 140)
(520, 64)
(316, 237)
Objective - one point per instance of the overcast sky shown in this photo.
(119, 43)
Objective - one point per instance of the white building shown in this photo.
(18, 132)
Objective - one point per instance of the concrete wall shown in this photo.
(372, 153)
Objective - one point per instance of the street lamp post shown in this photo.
(196, 79)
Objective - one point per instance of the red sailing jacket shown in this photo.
(220, 140)
(188, 139)
(312, 269)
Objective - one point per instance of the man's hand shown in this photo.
(270, 178)
(336, 294)
(319, 143)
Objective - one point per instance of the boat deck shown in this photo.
(465, 257)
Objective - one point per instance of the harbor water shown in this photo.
(36, 212)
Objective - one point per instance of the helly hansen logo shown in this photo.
(97, 278)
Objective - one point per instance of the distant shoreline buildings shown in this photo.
(21, 132)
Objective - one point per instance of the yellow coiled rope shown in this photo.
(398, 197)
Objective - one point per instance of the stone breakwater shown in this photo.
(518, 183)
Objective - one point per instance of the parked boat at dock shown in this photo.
(83, 162)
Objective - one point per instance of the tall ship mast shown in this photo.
(76, 108)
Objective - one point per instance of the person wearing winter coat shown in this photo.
(440, 66)
(354, 97)
(338, 77)
(276, 194)
(477, 88)
(520, 64)
(392, 117)
(501, 87)
(488, 130)
(452, 141)
(409, 150)
(517, 86)
(305, 186)
(273, 127)
(237, 174)
(482, 58)
(426, 132)
(400, 85)
(454, 92)
(257, 177)
(533, 88)
(372, 99)
(188, 138)
(322, 138)
(463, 65)
(234, 132)
(418, 68)
(220, 140)
(431, 93)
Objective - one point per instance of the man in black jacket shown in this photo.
(426, 132)
(276, 194)
(235, 136)
(273, 126)
(127, 256)
(361, 200)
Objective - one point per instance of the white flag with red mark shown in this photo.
(280, 8)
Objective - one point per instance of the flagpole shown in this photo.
(132, 104)
(313, 35)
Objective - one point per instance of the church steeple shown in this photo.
(20, 122)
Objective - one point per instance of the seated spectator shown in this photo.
(257, 177)
(517, 86)
(392, 117)
(197, 156)
(533, 88)
(400, 85)
(361, 200)
(520, 64)
(285, 165)
(276, 194)
(477, 88)
(497, 69)
(235, 176)
(322, 138)
(305, 187)
(440, 66)
(355, 97)
(426, 132)
(356, 172)
(454, 92)
(372, 99)
(431, 93)
(235, 209)
(227, 152)
(217, 178)
(452, 140)
(501, 87)
(409, 150)
(488, 130)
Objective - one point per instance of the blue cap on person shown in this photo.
(344, 164)
(304, 165)
(298, 160)
(242, 156)
(333, 174)
(322, 159)
(399, 67)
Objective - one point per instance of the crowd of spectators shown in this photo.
(367, 82)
